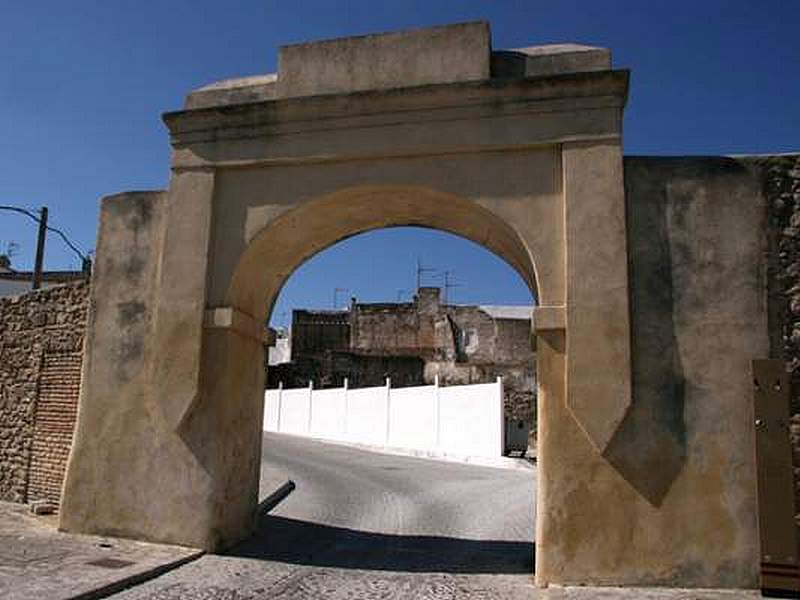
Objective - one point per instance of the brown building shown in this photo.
(315, 331)
(413, 343)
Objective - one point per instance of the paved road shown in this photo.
(366, 525)
(39, 562)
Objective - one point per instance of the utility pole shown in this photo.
(41, 219)
(37, 269)
(86, 266)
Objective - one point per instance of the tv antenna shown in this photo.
(12, 249)
(336, 292)
(422, 270)
(449, 284)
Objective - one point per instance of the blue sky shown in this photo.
(83, 84)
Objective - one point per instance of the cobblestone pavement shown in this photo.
(367, 525)
(362, 525)
(251, 580)
(36, 561)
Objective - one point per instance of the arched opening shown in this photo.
(264, 269)
(530, 167)
(291, 238)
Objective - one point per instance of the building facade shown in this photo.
(414, 343)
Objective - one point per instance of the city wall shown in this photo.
(41, 350)
(652, 282)
(694, 223)
(781, 183)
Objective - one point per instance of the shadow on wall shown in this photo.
(676, 208)
(649, 448)
(303, 543)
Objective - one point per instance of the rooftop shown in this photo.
(434, 55)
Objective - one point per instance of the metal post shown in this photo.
(336, 292)
(280, 407)
(37, 269)
(501, 417)
(388, 410)
(310, 404)
(86, 267)
(438, 409)
(345, 427)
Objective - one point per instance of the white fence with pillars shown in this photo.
(461, 419)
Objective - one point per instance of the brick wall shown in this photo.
(54, 423)
(41, 341)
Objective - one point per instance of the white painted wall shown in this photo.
(467, 404)
(328, 414)
(294, 408)
(281, 352)
(462, 419)
(412, 418)
(366, 416)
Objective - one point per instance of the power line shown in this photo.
(41, 238)
(58, 232)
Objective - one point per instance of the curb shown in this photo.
(499, 462)
(136, 579)
(266, 505)
(276, 497)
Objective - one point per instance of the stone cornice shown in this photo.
(470, 100)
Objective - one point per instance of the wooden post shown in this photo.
(37, 269)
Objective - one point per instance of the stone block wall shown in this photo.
(390, 329)
(782, 188)
(41, 344)
(315, 331)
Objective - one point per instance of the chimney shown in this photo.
(427, 300)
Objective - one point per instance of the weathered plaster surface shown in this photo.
(644, 480)
(372, 62)
(598, 339)
(549, 59)
(126, 460)
(678, 478)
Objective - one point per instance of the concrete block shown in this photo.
(546, 318)
(384, 61)
(549, 59)
(241, 90)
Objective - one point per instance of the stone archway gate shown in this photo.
(519, 151)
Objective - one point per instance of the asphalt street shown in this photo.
(366, 525)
